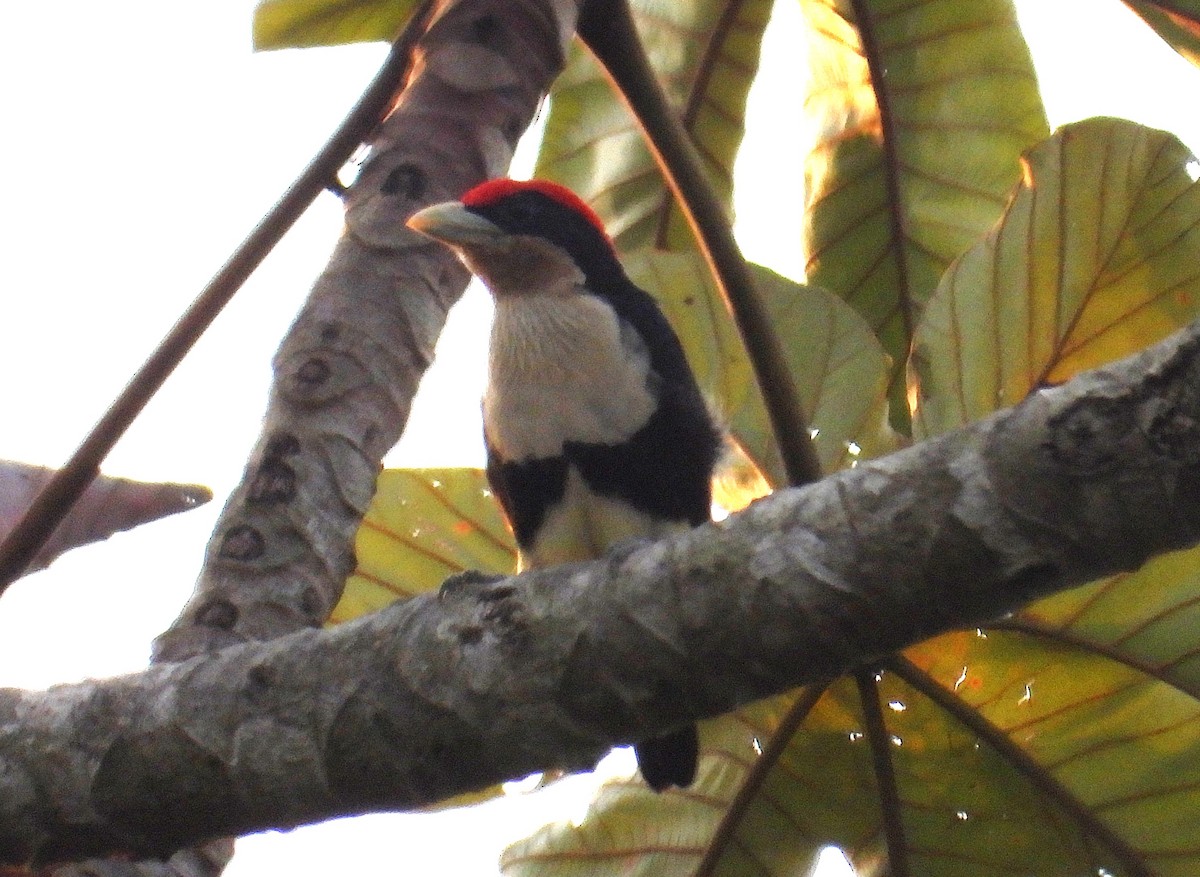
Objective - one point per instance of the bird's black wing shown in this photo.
(527, 489)
(665, 468)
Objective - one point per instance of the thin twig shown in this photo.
(56, 499)
(607, 28)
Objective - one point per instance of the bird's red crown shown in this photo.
(494, 190)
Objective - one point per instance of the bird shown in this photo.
(596, 430)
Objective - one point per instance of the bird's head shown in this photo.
(522, 237)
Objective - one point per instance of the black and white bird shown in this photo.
(596, 430)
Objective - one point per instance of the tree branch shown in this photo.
(493, 680)
(347, 371)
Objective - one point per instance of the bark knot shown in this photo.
(243, 542)
(1087, 437)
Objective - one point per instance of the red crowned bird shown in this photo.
(595, 428)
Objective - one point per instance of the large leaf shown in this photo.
(1069, 280)
(922, 111)
(963, 809)
(1111, 746)
(1177, 22)
(959, 806)
(1147, 619)
(634, 831)
(840, 370)
(1062, 741)
(288, 24)
(705, 53)
(422, 526)
(1093, 696)
(1008, 758)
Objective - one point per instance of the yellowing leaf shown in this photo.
(1096, 258)
(922, 111)
(705, 53)
(1110, 744)
(288, 24)
(422, 526)
(962, 808)
(1147, 618)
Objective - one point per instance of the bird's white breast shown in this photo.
(563, 368)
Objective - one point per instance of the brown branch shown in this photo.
(492, 680)
(607, 28)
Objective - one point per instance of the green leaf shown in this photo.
(1177, 22)
(840, 369)
(1096, 258)
(291, 24)
(422, 526)
(964, 809)
(1147, 618)
(705, 54)
(1112, 747)
(923, 110)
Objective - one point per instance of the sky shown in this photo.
(144, 140)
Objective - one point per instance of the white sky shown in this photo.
(144, 140)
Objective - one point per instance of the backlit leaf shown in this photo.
(422, 526)
(962, 808)
(1098, 256)
(1114, 746)
(288, 24)
(1147, 618)
(922, 111)
(705, 53)
(634, 831)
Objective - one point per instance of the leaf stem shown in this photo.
(753, 782)
(885, 774)
(607, 28)
(63, 490)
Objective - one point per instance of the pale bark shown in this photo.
(492, 680)
(346, 373)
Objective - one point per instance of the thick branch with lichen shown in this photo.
(494, 679)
